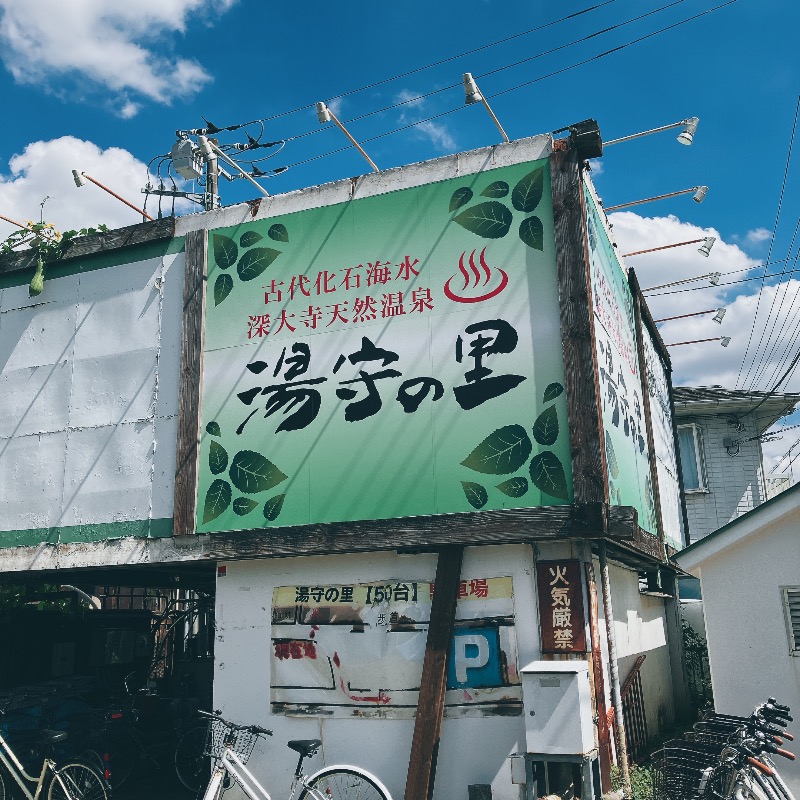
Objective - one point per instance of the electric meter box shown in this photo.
(558, 707)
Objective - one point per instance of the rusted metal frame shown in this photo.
(638, 308)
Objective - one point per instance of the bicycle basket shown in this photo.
(221, 735)
(678, 768)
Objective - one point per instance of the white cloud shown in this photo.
(758, 235)
(45, 169)
(414, 109)
(119, 45)
(708, 363)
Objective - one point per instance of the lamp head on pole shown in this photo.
(323, 113)
(78, 178)
(725, 341)
(686, 136)
(714, 277)
(705, 248)
(700, 194)
(471, 92)
(718, 317)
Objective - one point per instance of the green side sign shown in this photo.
(392, 356)
(627, 451)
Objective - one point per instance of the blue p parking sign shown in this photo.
(474, 659)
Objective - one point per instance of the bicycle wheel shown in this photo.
(343, 783)
(191, 765)
(80, 782)
(123, 750)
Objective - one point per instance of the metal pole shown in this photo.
(698, 341)
(114, 194)
(355, 143)
(644, 133)
(212, 181)
(683, 316)
(613, 668)
(650, 199)
(663, 247)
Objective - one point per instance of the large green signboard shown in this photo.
(392, 356)
(627, 452)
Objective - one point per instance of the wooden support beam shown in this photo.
(589, 475)
(430, 706)
(191, 370)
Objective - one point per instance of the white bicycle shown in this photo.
(229, 746)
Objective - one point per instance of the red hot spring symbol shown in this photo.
(476, 280)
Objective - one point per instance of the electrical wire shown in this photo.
(447, 60)
(772, 242)
(596, 57)
(727, 283)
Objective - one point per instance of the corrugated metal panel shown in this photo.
(791, 597)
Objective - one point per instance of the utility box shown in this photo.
(558, 707)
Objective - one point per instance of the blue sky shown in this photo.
(102, 86)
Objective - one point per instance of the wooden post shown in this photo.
(589, 475)
(430, 706)
(191, 370)
(596, 662)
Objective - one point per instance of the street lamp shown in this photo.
(324, 114)
(718, 313)
(713, 279)
(699, 195)
(685, 137)
(723, 340)
(473, 95)
(80, 179)
(705, 250)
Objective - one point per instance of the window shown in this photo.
(791, 605)
(691, 449)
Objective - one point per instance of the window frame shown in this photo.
(700, 464)
(792, 633)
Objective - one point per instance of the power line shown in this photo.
(727, 283)
(424, 96)
(772, 242)
(596, 57)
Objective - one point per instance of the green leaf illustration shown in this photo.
(514, 487)
(545, 429)
(225, 251)
(278, 233)
(218, 498)
(460, 197)
(217, 458)
(502, 451)
(528, 192)
(532, 233)
(273, 506)
(547, 474)
(213, 429)
(252, 473)
(490, 220)
(552, 391)
(255, 261)
(248, 239)
(611, 458)
(223, 286)
(496, 189)
(476, 494)
(243, 505)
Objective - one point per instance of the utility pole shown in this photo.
(211, 199)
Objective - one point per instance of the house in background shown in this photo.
(750, 575)
(719, 435)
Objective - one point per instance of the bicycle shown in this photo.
(726, 757)
(75, 780)
(229, 746)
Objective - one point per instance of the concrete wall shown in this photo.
(735, 484)
(748, 642)
(474, 748)
(640, 626)
(88, 392)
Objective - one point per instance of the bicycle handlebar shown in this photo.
(754, 762)
(257, 729)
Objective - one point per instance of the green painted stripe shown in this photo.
(97, 532)
(110, 258)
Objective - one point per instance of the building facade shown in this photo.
(414, 428)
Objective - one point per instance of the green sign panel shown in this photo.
(392, 356)
(627, 452)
